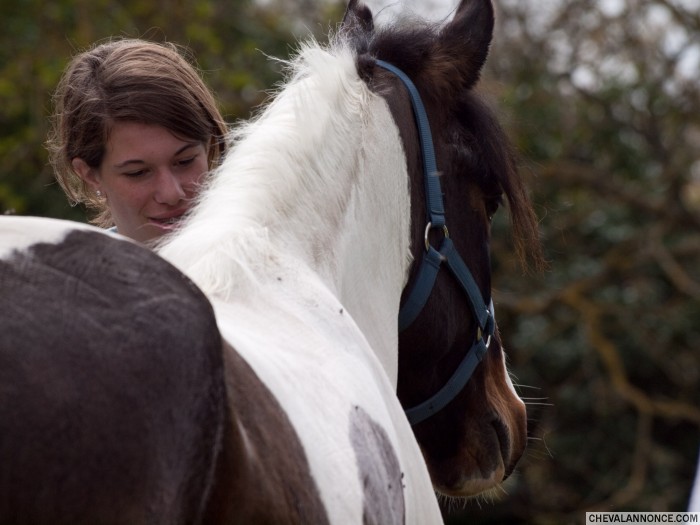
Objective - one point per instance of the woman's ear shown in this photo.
(86, 173)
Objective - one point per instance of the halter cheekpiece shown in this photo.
(432, 262)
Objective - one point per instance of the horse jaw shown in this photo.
(493, 434)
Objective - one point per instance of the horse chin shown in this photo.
(471, 488)
(485, 463)
(455, 481)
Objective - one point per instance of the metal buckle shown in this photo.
(492, 317)
(480, 336)
(429, 227)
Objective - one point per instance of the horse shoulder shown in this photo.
(331, 410)
(263, 475)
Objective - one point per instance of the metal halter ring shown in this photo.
(427, 231)
(480, 335)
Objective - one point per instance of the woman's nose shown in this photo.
(168, 189)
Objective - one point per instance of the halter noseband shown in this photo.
(431, 264)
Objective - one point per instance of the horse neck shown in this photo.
(317, 182)
(371, 257)
(350, 225)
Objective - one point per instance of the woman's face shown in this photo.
(148, 177)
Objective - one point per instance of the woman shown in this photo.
(135, 131)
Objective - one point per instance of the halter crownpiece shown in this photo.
(432, 262)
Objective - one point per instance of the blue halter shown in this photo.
(431, 264)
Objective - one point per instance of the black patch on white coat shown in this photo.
(263, 476)
(111, 386)
(380, 472)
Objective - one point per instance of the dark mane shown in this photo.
(464, 116)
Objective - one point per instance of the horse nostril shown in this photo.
(505, 445)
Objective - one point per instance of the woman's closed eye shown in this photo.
(186, 161)
(135, 173)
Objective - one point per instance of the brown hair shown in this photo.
(127, 80)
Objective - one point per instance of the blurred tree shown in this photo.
(603, 102)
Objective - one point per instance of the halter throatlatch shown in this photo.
(432, 262)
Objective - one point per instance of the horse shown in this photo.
(329, 166)
(251, 369)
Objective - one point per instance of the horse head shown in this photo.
(474, 442)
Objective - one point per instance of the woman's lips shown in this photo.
(169, 222)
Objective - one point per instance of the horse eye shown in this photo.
(492, 204)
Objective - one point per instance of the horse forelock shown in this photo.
(279, 162)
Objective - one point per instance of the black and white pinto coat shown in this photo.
(255, 383)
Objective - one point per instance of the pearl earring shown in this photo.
(98, 193)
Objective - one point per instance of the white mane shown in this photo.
(316, 182)
(301, 241)
(279, 162)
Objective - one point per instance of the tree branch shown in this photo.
(610, 357)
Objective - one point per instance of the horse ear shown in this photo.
(357, 18)
(465, 41)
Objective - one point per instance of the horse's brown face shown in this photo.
(475, 441)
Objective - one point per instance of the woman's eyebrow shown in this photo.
(127, 162)
(187, 146)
